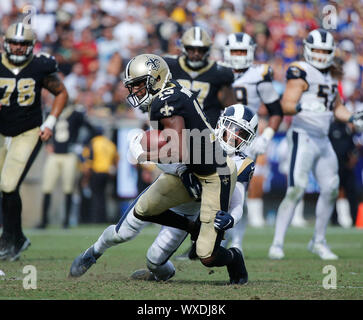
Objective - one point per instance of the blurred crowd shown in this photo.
(93, 40)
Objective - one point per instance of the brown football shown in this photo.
(152, 140)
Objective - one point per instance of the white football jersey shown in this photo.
(322, 87)
(254, 86)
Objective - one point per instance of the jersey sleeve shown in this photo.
(246, 171)
(295, 71)
(48, 63)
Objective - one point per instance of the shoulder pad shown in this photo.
(295, 71)
(223, 64)
(48, 62)
(246, 171)
(267, 73)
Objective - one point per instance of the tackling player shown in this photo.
(311, 96)
(22, 76)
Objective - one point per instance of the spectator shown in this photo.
(100, 161)
(87, 49)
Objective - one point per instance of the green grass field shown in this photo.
(299, 276)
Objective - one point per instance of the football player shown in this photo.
(312, 98)
(22, 76)
(236, 129)
(62, 159)
(175, 110)
(253, 87)
(209, 80)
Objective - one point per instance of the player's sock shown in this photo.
(284, 216)
(45, 209)
(255, 212)
(324, 210)
(12, 206)
(68, 210)
(107, 239)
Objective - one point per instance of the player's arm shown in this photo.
(176, 147)
(55, 86)
(290, 99)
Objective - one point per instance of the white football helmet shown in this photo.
(236, 128)
(239, 41)
(196, 37)
(150, 69)
(319, 39)
(19, 33)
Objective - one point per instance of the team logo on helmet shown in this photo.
(153, 63)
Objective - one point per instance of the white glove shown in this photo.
(315, 106)
(135, 145)
(260, 144)
(357, 120)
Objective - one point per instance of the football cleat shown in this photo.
(237, 270)
(83, 262)
(276, 253)
(322, 250)
(5, 248)
(143, 274)
(20, 245)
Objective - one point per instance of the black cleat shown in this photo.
(83, 262)
(5, 248)
(19, 246)
(237, 270)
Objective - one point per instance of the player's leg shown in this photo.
(301, 158)
(126, 229)
(326, 173)
(238, 203)
(154, 204)
(216, 195)
(69, 174)
(21, 152)
(158, 255)
(255, 193)
(50, 176)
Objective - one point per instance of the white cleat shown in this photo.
(322, 250)
(276, 253)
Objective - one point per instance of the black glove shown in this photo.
(223, 221)
(192, 184)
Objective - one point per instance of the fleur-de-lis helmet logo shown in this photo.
(153, 63)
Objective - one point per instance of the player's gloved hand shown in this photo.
(260, 144)
(223, 221)
(314, 106)
(191, 183)
(357, 120)
(135, 145)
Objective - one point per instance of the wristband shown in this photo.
(49, 122)
(268, 133)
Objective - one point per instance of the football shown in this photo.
(152, 140)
